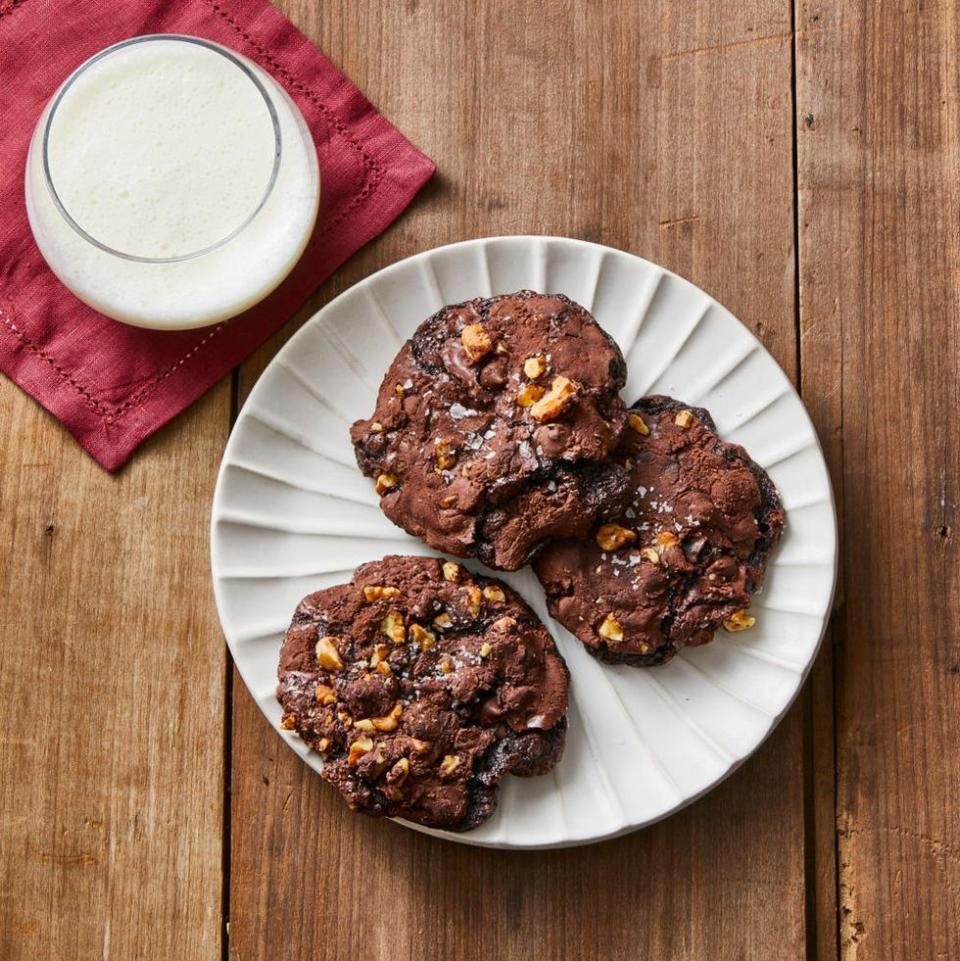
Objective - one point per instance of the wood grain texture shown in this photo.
(112, 677)
(665, 129)
(878, 95)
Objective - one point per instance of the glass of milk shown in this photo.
(171, 183)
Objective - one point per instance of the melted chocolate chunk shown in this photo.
(493, 428)
(422, 685)
(682, 557)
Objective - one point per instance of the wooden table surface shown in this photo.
(799, 161)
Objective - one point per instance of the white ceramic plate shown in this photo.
(292, 514)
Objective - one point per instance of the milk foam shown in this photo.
(161, 149)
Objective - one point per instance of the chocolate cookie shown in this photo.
(422, 685)
(683, 557)
(493, 427)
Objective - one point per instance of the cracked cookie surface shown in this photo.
(422, 685)
(686, 553)
(493, 428)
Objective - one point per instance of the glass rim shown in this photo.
(107, 51)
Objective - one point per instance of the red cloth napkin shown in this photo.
(112, 385)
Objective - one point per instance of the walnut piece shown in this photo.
(392, 626)
(474, 600)
(376, 427)
(534, 367)
(650, 553)
(504, 623)
(451, 571)
(555, 401)
(610, 537)
(683, 419)
(485, 649)
(328, 655)
(529, 395)
(610, 629)
(421, 636)
(443, 621)
(739, 621)
(324, 694)
(384, 483)
(361, 746)
(638, 424)
(390, 721)
(476, 341)
(374, 592)
(494, 594)
(399, 771)
(449, 764)
(666, 539)
(446, 455)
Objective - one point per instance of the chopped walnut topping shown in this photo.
(420, 747)
(476, 341)
(494, 594)
(529, 395)
(448, 501)
(443, 620)
(611, 629)
(561, 395)
(364, 724)
(288, 722)
(449, 764)
(421, 636)
(446, 665)
(383, 668)
(650, 553)
(474, 600)
(451, 571)
(361, 746)
(739, 621)
(384, 483)
(390, 721)
(323, 744)
(666, 539)
(374, 592)
(534, 367)
(684, 418)
(399, 771)
(380, 764)
(324, 694)
(399, 390)
(504, 623)
(376, 427)
(645, 648)
(638, 424)
(446, 455)
(392, 626)
(380, 653)
(610, 537)
(328, 655)
(485, 649)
